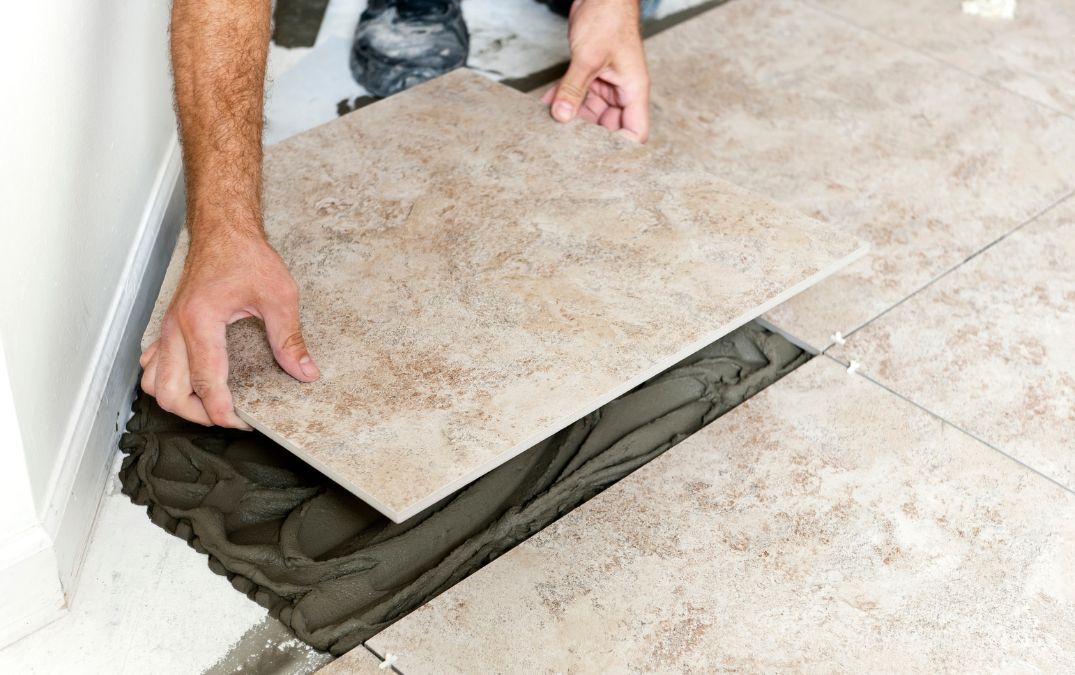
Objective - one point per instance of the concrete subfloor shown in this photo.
(147, 603)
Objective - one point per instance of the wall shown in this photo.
(29, 584)
(88, 167)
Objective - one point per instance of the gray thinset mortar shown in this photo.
(336, 571)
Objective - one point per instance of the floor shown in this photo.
(904, 501)
(426, 385)
(925, 492)
(147, 603)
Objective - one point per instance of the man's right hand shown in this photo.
(226, 277)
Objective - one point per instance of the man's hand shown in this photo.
(219, 49)
(607, 81)
(225, 278)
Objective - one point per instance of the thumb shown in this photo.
(288, 346)
(573, 88)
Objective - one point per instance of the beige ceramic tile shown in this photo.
(1032, 54)
(358, 661)
(823, 526)
(927, 163)
(476, 276)
(990, 346)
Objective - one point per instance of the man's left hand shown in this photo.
(607, 82)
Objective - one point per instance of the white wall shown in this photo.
(30, 584)
(88, 163)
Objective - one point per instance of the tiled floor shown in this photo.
(829, 524)
(474, 285)
(913, 516)
(991, 346)
(360, 661)
(823, 526)
(926, 162)
(1031, 55)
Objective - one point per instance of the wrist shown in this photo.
(214, 228)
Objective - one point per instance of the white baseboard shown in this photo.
(76, 486)
(28, 584)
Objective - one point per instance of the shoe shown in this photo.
(401, 43)
(563, 7)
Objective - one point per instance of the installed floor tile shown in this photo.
(926, 162)
(1033, 54)
(476, 277)
(990, 346)
(823, 526)
(359, 661)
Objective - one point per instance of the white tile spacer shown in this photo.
(853, 367)
(990, 9)
(389, 660)
(838, 338)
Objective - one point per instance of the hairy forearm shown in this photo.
(219, 48)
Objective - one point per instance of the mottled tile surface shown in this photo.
(823, 526)
(476, 276)
(991, 347)
(358, 661)
(926, 162)
(1033, 54)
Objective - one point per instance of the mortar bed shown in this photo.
(335, 571)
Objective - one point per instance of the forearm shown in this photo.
(219, 48)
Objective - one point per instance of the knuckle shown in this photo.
(188, 313)
(202, 386)
(289, 292)
(147, 383)
(219, 414)
(570, 90)
(284, 292)
(168, 401)
(293, 342)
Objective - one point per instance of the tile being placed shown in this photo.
(927, 163)
(823, 526)
(989, 347)
(1031, 54)
(476, 276)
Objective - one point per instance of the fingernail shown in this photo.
(562, 111)
(309, 368)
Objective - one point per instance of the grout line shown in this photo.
(961, 263)
(958, 428)
(934, 57)
(380, 658)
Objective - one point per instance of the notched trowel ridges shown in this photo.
(335, 570)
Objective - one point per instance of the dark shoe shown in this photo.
(401, 43)
(563, 7)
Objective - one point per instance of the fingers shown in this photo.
(593, 107)
(147, 355)
(207, 354)
(634, 122)
(573, 87)
(149, 375)
(281, 316)
(611, 118)
(170, 383)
